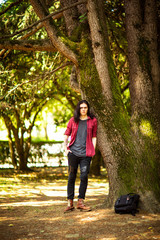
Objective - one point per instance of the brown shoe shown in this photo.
(82, 207)
(70, 206)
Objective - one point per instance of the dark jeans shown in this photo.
(84, 163)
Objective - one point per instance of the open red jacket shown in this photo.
(72, 129)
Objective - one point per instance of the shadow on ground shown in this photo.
(32, 208)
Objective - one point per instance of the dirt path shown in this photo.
(32, 208)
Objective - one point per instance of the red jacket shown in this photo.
(72, 129)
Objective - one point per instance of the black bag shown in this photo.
(127, 204)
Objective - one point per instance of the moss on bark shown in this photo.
(136, 159)
(134, 153)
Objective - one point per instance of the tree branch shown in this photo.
(28, 45)
(40, 10)
(10, 6)
(39, 109)
(9, 124)
(2, 105)
(117, 43)
(43, 19)
(30, 33)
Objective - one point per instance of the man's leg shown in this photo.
(84, 171)
(84, 168)
(73, 165)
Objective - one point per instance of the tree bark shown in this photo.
(28, 45)
(96, 163)
(71, 15)
(41, 11)
(141, 28)
(130, 165)
(11, 147)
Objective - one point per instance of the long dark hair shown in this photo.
(77, 111)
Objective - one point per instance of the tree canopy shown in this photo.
(28, 81)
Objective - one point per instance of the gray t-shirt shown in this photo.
(79, 146)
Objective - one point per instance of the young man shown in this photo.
(83, 131)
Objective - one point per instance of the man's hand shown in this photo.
(67, 151)
(94, 141)
(66, 144)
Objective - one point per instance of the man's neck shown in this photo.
(83, 117)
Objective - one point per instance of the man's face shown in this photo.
(83, 109)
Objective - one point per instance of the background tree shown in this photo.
(28, 81)
(129, 144)
(25, 90)
(20, 109)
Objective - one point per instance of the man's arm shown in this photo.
(94, 141)
(66, 144)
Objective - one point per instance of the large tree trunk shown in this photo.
(9, 127)
(18, 144)
(141, 28)
(96, 163)
(11, 147)
(132, 160)
(21, 154)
